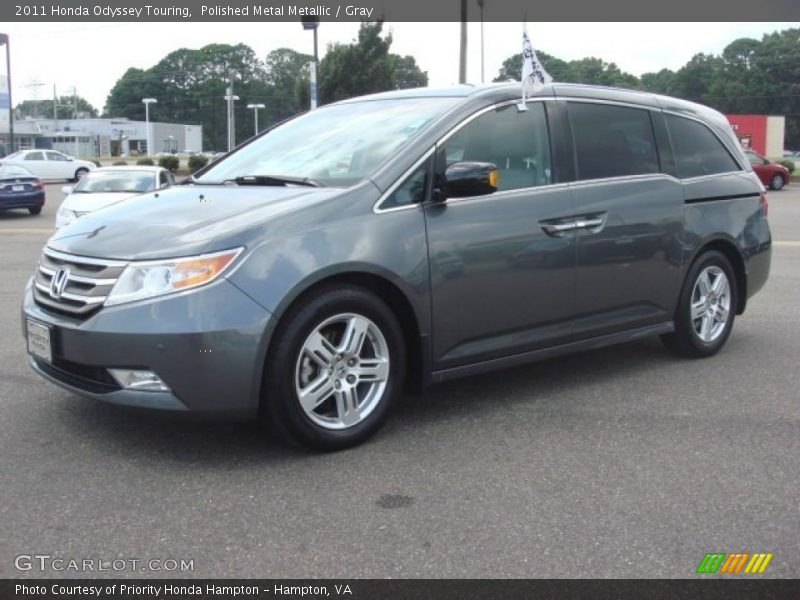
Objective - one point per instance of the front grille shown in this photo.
(85, 282)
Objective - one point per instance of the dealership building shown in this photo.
(104, 137)
(762, 133)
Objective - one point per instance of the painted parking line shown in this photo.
(792, 244)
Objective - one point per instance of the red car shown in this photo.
(772, 175)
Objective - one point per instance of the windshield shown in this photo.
(9, 171)
(337, 145)
(99, 182)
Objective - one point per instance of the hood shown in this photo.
(182, 221)
(90, 202)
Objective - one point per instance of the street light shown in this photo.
(312, 23)
(255, 108)
(147, 103)
(481, 4)
(4, 40)
(230, 99)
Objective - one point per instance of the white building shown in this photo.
(105, 137)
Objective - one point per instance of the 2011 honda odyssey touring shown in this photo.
(396, 240)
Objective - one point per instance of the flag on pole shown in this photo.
(533, 74)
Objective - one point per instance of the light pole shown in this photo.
(255, 108)
(313, 23)
(230, 99)
(147, 103)
(4, 40)
(481, 4)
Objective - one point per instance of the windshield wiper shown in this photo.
(273, 180)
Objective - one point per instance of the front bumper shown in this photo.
(208, 345)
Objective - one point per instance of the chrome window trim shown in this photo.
(623, 179)
(83, 259)
(501, 195)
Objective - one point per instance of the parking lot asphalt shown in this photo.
(622, 462)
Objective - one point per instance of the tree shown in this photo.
(284, 68)
(587, 70)
(67, 107)
(366, 66)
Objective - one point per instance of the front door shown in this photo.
(502, 270)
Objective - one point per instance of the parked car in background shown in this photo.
(50, 164)
(108, 185)
(771, 174)
(407, 238)
(19, 188)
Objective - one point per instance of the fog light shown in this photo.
(143, 381)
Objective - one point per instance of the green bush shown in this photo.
(145, 162)
(171, 163)
(119, 163)
(197, 161)
(789, 164)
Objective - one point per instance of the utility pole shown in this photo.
(55, 105)
(4, 40)
(230, 99)
(481, 4)
(462, 63)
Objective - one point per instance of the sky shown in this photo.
(93, 56)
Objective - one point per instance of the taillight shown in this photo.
(39, 184)
(764, 203)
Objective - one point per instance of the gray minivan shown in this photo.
(396, 240)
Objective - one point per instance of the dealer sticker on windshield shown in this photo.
(39, 340)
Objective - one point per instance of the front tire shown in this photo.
(706, 308)
(35, 210)
(777, 182)
(334, 371)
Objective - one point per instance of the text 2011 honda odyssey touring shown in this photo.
(402, 239)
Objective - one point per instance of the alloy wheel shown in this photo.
(711, 303)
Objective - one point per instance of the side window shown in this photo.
(412, 190)
(163, 179)
(755, 159)
(34, 156)
(516, 142)
(55, 156)
(697, 151)
(612, 141)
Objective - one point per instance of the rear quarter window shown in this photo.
(698, 151)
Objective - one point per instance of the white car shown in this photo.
(50, 164)
(106, 186)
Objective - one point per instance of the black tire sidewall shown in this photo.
(80, 172)
(280, 406)
(684, 328)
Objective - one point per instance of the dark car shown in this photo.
(772, 175)
(19, 188)
(384, 243)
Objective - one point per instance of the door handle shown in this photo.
(559, 228)
(588, 223)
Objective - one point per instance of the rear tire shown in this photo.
(777, 182)
(35, 210)
(706, 308)
(79, 173)
(342, 351)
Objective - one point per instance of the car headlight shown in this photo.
(64, 217)
(156, 278)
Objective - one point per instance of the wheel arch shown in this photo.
(731, 251)
(399, 302)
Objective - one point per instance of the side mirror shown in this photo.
(464, 179)
(67, 189)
